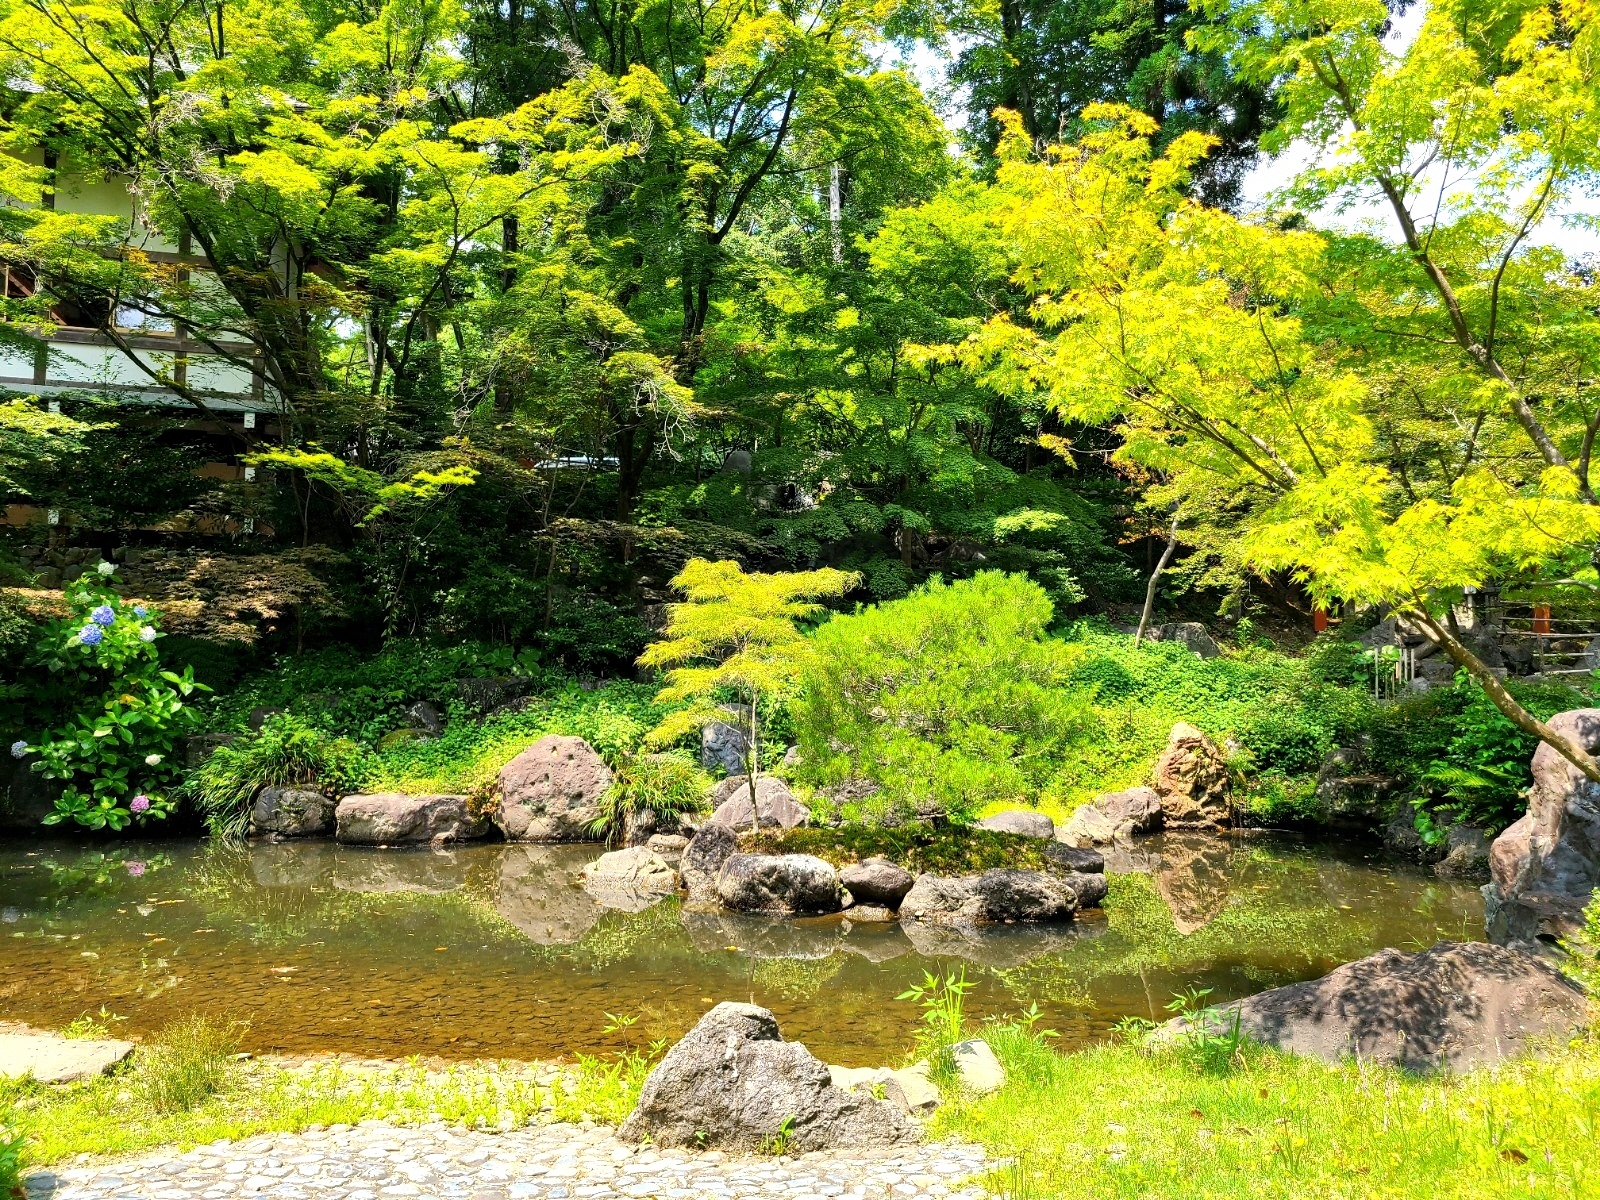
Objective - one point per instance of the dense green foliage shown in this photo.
(116, 753)
(284, 752)
(917, 846)
(951, 699)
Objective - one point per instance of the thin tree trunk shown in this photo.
(755, 765)
(1502, 697)
(1155, 577)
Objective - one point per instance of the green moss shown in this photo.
(942, 849)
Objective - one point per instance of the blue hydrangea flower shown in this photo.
(140, 611)
(103, 615)
(19, 749)
(91, 635)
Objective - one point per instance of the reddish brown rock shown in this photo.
(551, 792)
(1192, 779)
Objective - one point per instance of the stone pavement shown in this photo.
(376, 1160)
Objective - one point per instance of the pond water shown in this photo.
(491, 951)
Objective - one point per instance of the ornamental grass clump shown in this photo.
(285, 752)
(663, 785)
(115, 755)
(189, 1061)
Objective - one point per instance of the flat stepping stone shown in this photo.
(50, 1058)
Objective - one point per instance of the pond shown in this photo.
(491, 951)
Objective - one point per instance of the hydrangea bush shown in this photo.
(116, 754)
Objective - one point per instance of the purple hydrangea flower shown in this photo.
(103, 615)
(139, 804)
(140, 611)
(19, 749)
(92, 635)
(134, 868)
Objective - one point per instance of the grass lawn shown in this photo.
(1117, 1121)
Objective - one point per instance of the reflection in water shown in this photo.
(497, 950)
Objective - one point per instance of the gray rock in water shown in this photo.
(1114, 817)
(702, 861)
(291, 812)
(733, 1083)
(1074, 859)
(1020, 821)
(998, 896)
(389, 818)
(943, 900)
(1546, 866)
(631, 879)
(669, 847)
(551, 792)
(1456, 1006)
(779, 883)
(1026, 896)
(777, 806)
(1088, 888)
(877, 881)
(1466, 854)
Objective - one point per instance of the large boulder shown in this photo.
(1192, 779)
(1546, 866)
(1020, 821)
(733, 1083)
(779, 883)
(551, 792)
(390, 818)
(877, 881)
(1009, 895)
(1000, 896)
(711, 846)
(1456, 1006)
(51, 1058)
(1466, 854)
(1114, 817)
(776, 805)
(630, 879)
(290, 812)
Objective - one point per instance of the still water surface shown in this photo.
(496, 951)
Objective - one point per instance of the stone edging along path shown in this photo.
(377, 1160)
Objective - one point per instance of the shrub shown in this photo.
(284, 753)
(11, 1147)
(1583, 951)
(116, 753)
(667, 785)
(952, 698)
(187, 1063)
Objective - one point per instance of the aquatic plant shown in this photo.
(664, 785)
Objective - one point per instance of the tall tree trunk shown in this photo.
(1155, 577)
